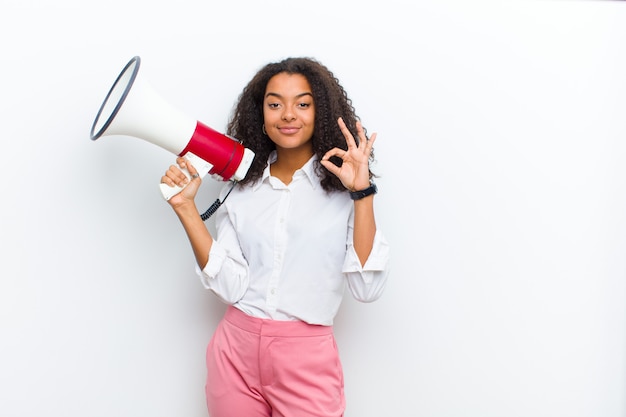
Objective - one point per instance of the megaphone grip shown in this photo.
(201, 166)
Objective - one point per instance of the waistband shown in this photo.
(267, 327)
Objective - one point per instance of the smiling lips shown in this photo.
(288, 130)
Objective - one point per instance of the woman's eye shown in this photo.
(272, 105)
(304, 105)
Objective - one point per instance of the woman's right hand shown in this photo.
(174, 176)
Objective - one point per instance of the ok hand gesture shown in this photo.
(354, 172)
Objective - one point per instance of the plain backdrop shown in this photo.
(501, 141)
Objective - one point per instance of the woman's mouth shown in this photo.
(288, 130)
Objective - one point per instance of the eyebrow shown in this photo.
(270, 94)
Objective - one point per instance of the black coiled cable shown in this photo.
(216, 204)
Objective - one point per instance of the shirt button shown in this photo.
(273, 291)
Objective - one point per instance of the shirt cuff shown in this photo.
(217, 255)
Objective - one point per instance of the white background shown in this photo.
(501, 146)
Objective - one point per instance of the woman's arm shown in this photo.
(354, 173)
(185, 208)
(364, 227)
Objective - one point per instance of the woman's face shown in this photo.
(289, 111)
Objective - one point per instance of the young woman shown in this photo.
(289, 238)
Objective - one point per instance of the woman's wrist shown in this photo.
(364, 192)
(186, 209)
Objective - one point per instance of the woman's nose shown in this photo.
(288, 115)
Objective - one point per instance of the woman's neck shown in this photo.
(289, 161)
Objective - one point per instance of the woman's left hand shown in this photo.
(354, 172)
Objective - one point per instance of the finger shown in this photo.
(365, 143)
(338, 152)
(176, 176)
(334, 169)
(192, 170)
(184, 163)
(172, 176)
(361, 132)
(370, 143)
(346, 133)
(167, 181)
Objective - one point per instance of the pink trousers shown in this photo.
(263, 368)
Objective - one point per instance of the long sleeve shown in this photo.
(226, 272)
(367, 282)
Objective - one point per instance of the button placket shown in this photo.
(280, 244)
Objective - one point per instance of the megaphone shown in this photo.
(133, 108)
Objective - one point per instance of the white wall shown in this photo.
(501, 140)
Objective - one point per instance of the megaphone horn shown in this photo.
(133, 108)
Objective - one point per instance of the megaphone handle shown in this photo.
(203, 167)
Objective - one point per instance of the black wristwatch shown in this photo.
(357, 195)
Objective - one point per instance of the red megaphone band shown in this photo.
(225, 153)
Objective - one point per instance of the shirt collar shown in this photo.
(308, 169)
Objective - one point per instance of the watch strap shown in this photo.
(357, 195)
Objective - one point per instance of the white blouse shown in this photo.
(285, 252)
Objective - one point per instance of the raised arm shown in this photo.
(185, 208)
(354, 173)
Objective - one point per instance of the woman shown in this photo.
(289, 238)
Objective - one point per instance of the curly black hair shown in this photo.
(331, 102)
